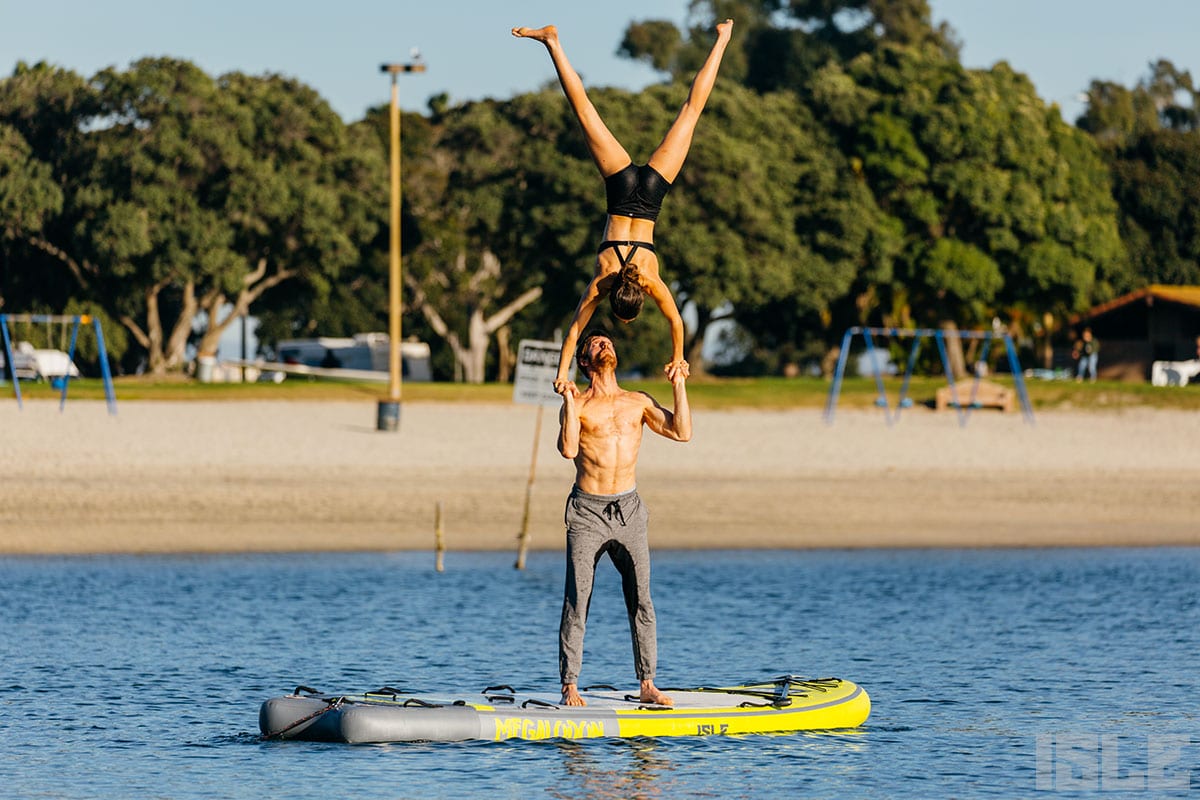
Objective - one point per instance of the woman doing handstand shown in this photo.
(626, 264)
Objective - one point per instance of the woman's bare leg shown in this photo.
(668, 159)
(607, 152)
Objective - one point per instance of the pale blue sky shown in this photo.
(337, 47)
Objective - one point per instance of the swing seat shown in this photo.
(987, 395)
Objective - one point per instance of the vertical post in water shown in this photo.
(439, 545)
(523, 539)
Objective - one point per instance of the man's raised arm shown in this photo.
(675, 424)
(568, 422)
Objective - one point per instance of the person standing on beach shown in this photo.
(1087, 350)
(601, 430)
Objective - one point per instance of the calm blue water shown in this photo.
(142, 677)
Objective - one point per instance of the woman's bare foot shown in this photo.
(544, 35)
(651, 694)
(570, 695)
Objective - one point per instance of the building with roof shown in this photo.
(1155, 323)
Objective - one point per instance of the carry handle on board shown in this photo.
(533, 701)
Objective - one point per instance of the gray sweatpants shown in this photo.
(613, 524)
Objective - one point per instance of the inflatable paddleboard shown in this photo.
(779, 705)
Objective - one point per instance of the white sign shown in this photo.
(537, 364)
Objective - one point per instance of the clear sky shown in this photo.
(337, 47)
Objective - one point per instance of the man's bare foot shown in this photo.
(570, 695)
(651, 694)
(544, 35)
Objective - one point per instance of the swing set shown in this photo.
(918, 335)
(74, 323)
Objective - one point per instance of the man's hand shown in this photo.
(675, 368)
(563, 386)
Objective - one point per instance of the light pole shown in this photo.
(388, 417)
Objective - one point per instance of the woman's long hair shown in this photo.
(626, 297)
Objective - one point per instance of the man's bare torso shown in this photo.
(610, 437)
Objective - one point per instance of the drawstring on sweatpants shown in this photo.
(614, 508)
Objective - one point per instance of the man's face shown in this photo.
(600, 352)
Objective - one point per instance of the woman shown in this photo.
(626, 264)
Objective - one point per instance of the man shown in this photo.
(1087, 350)
(601, 429)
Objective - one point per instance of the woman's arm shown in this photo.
(661, 294)
(583, 315)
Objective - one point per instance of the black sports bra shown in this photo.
(636, 192)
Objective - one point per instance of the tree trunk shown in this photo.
(830, 360)
(476, 352)
(168, 355)
(1047, 348)
(954, 350)
(472, 358)
(506, 360)
(254, 284)
(210, 340)
(694, 344)
(176, 347)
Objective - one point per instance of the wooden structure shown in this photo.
(984, 394)
(1156, 323)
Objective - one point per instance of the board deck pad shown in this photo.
(783, 704)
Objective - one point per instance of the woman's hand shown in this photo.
(679, 367)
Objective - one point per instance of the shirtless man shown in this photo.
(601, 429)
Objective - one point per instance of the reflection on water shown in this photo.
(143, 676)
(622, 768)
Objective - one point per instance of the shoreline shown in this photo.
(221, 477)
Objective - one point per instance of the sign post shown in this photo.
(533, 384)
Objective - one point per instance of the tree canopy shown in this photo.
(848, 169)
(164, 193)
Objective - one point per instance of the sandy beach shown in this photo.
(281, 476)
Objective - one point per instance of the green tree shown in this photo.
(300, 203)
(42, 110)
(468, 271)
(1149, 136)
(182, 195)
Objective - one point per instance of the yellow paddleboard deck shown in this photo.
(779, 705)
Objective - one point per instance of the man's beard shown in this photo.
(606, 359)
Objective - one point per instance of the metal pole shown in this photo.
(836, 388)
(882, 400)
(10, 366)
(1014, 366)
(388, 418)
(62, 403)
(110, 394)
(243, 367)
